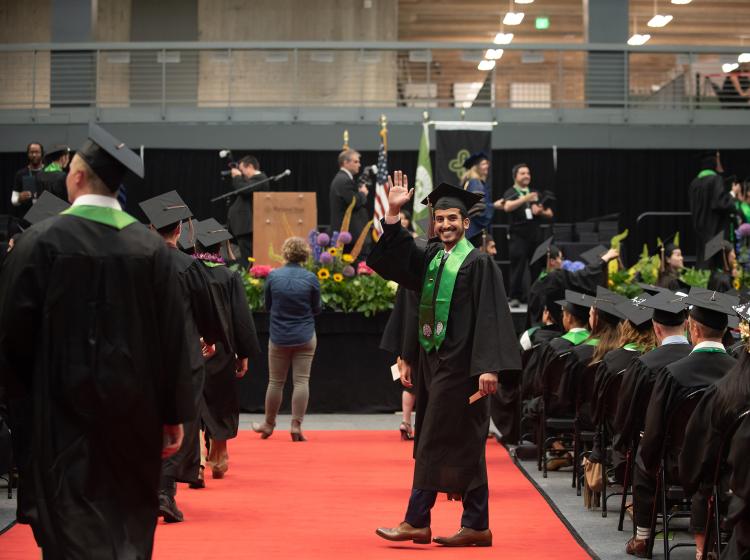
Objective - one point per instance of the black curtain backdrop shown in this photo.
(588, 182)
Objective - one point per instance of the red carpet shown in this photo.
(324, 498)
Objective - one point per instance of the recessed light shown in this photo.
(638, 39)
(659, 20)
(729, 66)
(503, 38)
(744, 57)
(493, 54)
(486, 65)
(513, 18)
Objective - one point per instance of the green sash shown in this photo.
(710, 350)
(434, 307)
(592, 342)
(53, 167)
(632, 346)
(576, 337)
(211, 264)
(706, 173)
(102, 214)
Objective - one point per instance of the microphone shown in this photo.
(224, 153)
(283, 174)
(373, 169)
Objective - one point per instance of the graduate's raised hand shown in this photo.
(398, 192)
(488, 384)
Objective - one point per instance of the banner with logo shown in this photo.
(456, 141)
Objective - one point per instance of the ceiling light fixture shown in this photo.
(503, 38)
(729, 66)
(524, 1)
(493, 54)
(659, 20)
(513, 18)
(681, 2)
(486, 65)
(744, 57)
(637, 39)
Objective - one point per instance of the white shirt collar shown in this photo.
(675, 339)
(97, 200)
(348, 173)
(577, 329)
(709, 344)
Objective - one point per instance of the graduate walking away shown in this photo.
(467, 340)
(93, 355)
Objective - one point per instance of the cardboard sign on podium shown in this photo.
(277, 216)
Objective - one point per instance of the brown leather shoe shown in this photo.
(637, 547)
(405, 532)
(467, 537)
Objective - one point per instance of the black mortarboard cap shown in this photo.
(716, 244)
(594, 256)
(651, 289)
(165, 209)
(743, 311)
(46, 206)
(634, 310)
(473, 159)
(711, 308)
(57, 151)
(109, 158)
(670, 309)
(606, 302)
(707, 159)
(542, 250)
(449, 196)
(576, 304)
(210, 232)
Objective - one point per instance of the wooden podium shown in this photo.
(277, 216)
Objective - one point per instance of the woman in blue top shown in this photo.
(293, 299)
(475, 180)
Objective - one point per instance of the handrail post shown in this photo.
(230, 82)
(163, 84)
(33, 84)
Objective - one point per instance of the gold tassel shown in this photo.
(357, 249)
(348, 215)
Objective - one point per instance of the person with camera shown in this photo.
(240, 215)
(343, 189)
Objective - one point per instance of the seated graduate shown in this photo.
(723, 264)
(738, 518)
(669, 324)
(555, 280)
(604, 320)
(671, 264)
(713, 417)
(706, 364)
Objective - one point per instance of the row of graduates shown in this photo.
(115, 349)
(640, 354)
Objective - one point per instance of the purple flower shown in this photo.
(326, 257)
(323, 239)
(743, 231)
(348, 271)
(345, 238)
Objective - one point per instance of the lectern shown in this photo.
(277, 216)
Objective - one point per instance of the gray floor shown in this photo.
(599, 533)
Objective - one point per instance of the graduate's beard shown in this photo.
(459, 233)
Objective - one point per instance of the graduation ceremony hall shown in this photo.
(323, 279)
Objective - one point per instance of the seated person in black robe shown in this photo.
(555, 280)
(723, 264)
(93, 355)
(670, 267)
(738, 517)
(220, 408)
(706, 364)
(466, 341)
(166, 213)
(669, 323)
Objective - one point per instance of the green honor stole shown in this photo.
(437, 291)
(101, 214)
(575, 338)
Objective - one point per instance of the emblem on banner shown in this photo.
(457, 165)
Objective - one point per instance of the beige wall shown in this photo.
(112, 24)
(24, 22)
(329, 77)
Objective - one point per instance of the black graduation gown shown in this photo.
(220, 409)
(556, 282)
(719, 281)
(613, 363)
(739, 507)
(534, 373)
(635, 390)
(201, 320)
(93, 354)
(695, 371)
(671, 281)
(567, 392)
(401, 333)
(711, 206)
(450, 433)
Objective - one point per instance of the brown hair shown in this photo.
(608, 334)
(346, 155)
(295, 250)
(643, 336)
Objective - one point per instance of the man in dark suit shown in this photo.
(343, 189)
(240, 215)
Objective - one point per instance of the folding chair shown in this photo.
(553, 428)
(672, 444)
(584, 396)
(714, 520)
(610, 398)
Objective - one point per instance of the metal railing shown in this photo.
(222, 77)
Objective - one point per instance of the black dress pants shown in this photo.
(246, 248)
(644, 487)
(521, 245)
(476, 508)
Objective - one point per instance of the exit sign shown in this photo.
(542, 23)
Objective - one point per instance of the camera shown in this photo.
(368, 176)
(228, 158)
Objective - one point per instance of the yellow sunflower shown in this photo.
(347, 258)
(338, 277)
(324, 274)
(250, 259)
(333, 250)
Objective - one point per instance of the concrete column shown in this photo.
(606, 21)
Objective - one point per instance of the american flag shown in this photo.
(381, 198)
